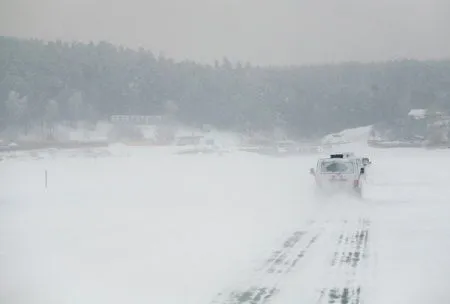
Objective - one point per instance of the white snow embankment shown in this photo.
(355, 135)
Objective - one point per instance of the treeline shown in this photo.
(55, 81)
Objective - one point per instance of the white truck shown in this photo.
(340, 172)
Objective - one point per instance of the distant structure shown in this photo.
(418, 113)
(427, 114)
(137, 119)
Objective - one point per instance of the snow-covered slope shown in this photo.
(355, 135)
(146, 226)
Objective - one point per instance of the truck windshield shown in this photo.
(334, 166)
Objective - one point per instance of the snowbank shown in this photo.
(360, 134)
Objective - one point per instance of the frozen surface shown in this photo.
(145, 226)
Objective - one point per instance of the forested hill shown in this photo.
(55, 81)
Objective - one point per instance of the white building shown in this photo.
(137, 119)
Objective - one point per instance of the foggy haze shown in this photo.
(260, 31)
(128, 177)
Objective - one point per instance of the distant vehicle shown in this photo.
(340, 172)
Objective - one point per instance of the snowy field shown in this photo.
(145, 226)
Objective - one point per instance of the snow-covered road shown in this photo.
(146, 226)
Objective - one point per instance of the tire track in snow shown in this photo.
(344, 278)
(265, 284)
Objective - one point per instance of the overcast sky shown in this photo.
(260, 31)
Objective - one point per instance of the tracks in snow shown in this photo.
(344, 277)
(342, 271)
(265, 284)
